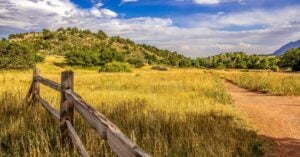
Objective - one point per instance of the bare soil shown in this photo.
(275, 117)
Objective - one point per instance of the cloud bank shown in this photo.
(260, 31)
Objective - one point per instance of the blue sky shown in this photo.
(173, 8)
(191, 27)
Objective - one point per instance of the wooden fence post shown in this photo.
(66, 108)
(35, 88)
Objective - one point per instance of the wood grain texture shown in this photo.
(35, 88)
(96, 120)
(66, 107)
(49, 83)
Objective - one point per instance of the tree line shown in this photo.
(240, 60)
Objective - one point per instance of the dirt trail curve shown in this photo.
(275, 117)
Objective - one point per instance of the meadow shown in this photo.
(179, 112)
(272, 83)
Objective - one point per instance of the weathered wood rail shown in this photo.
(116, 140)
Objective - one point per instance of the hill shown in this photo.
(287, 47)
(66, 40)
(87, 49)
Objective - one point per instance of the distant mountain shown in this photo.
(286, 47)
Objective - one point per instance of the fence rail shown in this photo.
(70, 101)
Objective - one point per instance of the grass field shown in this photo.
(273, 83)
(180, 112)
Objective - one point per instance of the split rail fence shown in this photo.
(117, 141)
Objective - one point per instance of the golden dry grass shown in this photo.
(180, 112)
(273, 83)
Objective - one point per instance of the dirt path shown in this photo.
(275, 117)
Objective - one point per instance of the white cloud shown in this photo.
(252, 18)
(30, 15)
(127, 1)
(207, 2)
(206, 36)
(99, 4)
(279, 17)
(215, 2)
(103, 13)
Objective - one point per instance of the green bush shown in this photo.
(221, 66)
(115, 67)
(291, 59)
(17, 56)
(184, 63)
(47, 34)
(101, 35)
(137, 63)
(160, 68)
(88, 57)
(275, 68)
(82, 58)
(109, 55)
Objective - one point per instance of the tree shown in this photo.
(60, 29)
(17, 56)
(184, 63)
(47, 34)
(62, 37)
(137, 63)
(109, 55)
(74, 30)
(101, 35)
(173, 60)
(82, 58)
(264, 64)
(150, 58)
(291, 59)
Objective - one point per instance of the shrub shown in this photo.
(17, 56)
(109, 55)
(160, 68)
(115, 67)
(101, 35)
(13, 36)
(291, 59)
(184, 63)
(275, 68)
(82, 58)
(221, 66)
(137, 63)
(47, 34)
(38, 58)
(62, 37)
